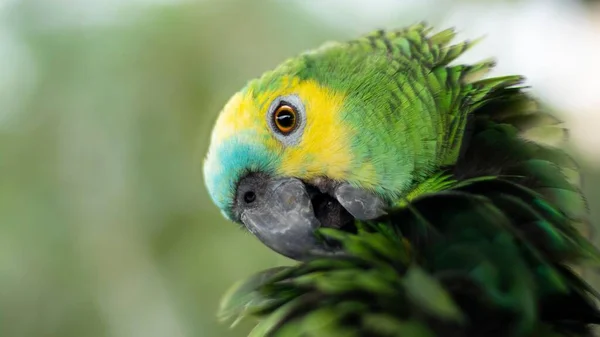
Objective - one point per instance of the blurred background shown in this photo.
(106, 228)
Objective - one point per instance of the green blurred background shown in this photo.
(105, 112)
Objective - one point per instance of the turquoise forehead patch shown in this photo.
(229, 161)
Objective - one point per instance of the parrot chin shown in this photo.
(284, 213)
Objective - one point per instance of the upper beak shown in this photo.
(285, 220)
(283, 217)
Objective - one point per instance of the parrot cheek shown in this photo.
(282, 217)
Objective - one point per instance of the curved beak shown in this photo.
(285, 220)
(286, 213)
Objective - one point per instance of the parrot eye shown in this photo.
(285, 118)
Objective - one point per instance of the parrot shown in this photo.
(417, 196)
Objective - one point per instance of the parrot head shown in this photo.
(311, 144)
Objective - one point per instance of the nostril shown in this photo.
(249, 197)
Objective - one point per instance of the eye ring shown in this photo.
(285, 118)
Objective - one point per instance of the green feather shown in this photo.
(488, 255)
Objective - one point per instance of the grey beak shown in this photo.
(279, 212)
(284, 219)
(363, 205)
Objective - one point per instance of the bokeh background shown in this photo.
(105, 112)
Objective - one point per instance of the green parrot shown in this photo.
(419, 197)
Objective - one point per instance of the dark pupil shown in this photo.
(285, 119)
